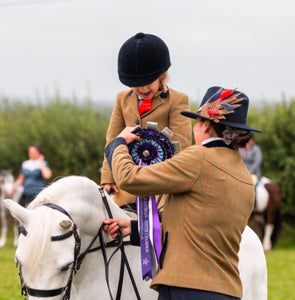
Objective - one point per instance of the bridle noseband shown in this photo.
(78, 259)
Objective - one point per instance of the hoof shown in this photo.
(2, 242)
(267, 246)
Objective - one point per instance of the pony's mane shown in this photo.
(71, 188)
(67, 187)
(38, 239)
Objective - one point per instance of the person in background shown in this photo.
(143, 64)
(32, 175)
(252, 157)
(210, 198)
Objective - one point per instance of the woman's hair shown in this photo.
(230, 135)
(163, 79)
(39, 148)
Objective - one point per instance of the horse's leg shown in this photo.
(266, 242)
(256, 222)
(3, 224)
(271, 210)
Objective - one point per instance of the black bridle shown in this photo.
(26, 290)
(78, 259)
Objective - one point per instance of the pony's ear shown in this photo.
(17, 211)
(65, 224)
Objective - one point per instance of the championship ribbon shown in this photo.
(154, 147)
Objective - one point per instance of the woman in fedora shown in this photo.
(211, 196)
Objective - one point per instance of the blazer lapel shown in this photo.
(133, 102)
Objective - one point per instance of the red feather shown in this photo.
(212, 112)
(226, 93)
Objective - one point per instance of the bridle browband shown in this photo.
(78, 259)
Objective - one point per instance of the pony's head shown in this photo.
(46, 246)
(49, 239)
(66, 213)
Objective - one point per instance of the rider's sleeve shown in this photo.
(109, 150)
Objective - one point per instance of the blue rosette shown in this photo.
(153, 148)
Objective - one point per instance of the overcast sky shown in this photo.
(72, 45)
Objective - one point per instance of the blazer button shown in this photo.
(137, 122)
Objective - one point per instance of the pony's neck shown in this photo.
(117, 212)
(93, 265)
(89, 216)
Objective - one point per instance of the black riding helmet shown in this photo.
(142, 59)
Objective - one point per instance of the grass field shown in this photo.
(9, 280)
(280, 263)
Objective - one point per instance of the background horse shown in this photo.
(265, 219)
(49, 265)
(6, 186)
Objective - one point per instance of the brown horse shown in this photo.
(265, 220)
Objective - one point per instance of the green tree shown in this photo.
(72, 136)
(278, 147)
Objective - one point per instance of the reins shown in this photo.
(124, 260)
(78, 259)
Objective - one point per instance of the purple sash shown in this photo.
(150, 235)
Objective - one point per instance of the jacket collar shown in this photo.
(216, 142)
(157, 101)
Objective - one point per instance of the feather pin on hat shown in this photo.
(224, 106)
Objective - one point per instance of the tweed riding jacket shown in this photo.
(165, 111)
(211, 196)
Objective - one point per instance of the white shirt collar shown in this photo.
(211, 140)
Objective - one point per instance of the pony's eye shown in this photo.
(66, 267)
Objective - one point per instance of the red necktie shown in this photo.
(145, 105)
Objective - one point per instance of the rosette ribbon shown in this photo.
(153, 148)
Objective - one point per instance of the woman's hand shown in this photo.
(128, 135)
(113, 225)
(111, 188)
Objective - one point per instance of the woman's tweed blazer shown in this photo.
(165, 111)
(211, 196)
